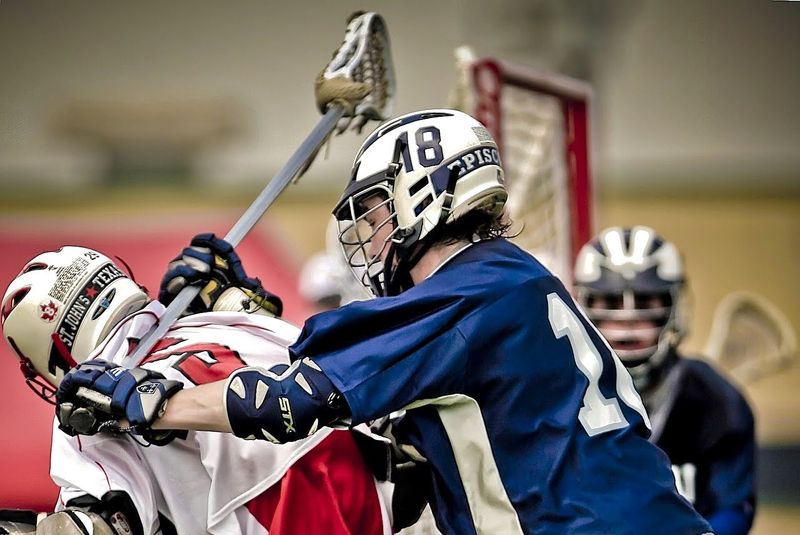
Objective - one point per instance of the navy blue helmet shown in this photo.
(630, 281)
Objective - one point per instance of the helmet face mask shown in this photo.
(430, 168)
(631, 322)
(630, 284)
(60, 307)
(366, 235)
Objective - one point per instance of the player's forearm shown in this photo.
(282, 405)
(200, 408)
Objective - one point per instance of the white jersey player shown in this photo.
(75, 300)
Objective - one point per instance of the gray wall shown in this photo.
(693, 93)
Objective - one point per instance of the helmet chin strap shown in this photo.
(398, 278)
(130, 272)
(649, 373)
(375, 283)
(63, 352)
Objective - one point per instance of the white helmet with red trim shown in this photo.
(60, 307)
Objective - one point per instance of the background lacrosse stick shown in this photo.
(750, 337)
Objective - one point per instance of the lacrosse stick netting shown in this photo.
(750, 337)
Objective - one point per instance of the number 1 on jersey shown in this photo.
(598, 413)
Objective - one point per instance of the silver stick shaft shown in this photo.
(248, 220)
(95, 399)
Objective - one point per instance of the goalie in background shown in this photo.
(68, 304)
(481, 345)
(631, 283)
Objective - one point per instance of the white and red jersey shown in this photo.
(214, 482)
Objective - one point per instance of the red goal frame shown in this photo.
(490, 76)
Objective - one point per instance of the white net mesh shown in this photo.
(535, 161)
(540, 123)
(750, 337)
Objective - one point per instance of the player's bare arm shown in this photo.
(196, 408)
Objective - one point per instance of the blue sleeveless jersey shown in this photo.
(529, 422)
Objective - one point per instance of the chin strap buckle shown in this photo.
(447, 194)
(394, 166)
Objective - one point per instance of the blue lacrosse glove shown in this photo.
(137, 395)
(212, 263)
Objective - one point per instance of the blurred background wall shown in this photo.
(160, 111)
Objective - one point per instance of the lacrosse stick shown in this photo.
(357, 83)
(750, 337)
(356, 86)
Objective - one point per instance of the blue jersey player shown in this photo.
(630, 281)
(529, 422)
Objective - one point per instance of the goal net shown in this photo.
(540, 122)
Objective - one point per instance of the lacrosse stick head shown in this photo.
(461, 96)
(750, 337)
(360, 76)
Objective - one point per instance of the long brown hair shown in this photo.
(473, 226)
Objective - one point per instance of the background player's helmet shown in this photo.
(60, 307)
(430, 168)
(630, 281)
(325, 279)
(318, 282)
